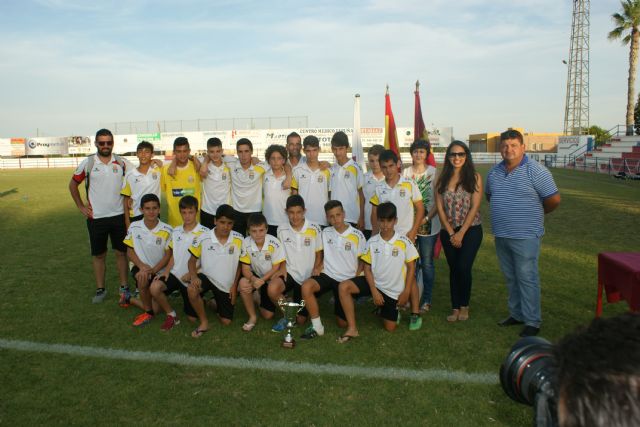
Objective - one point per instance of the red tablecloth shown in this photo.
(619, 274)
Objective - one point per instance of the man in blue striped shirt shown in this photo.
(520, 191)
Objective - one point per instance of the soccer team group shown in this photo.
(290, 227)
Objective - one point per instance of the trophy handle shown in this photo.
(302, 303)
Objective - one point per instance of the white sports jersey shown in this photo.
(342, 252)
(300, 248)
(275, 199)
(149, 245)
(403, 195)
(180, 243)
(313, 186)
(346, 180)
(368, 189)
(246, 187)
(388, 260)
(216, 188)
(105, 183)
(219, 262)
(136, 184)
(262, 260)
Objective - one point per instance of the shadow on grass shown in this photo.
(8, 192)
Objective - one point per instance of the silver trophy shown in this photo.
(290, 310)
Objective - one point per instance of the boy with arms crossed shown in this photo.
(147, 241)
(406, 196)
(311, 181)
(346, 181)
(216, 182)
(389, 270)
(343, 245)
(302, 242)
(219, 251)
(262, 264)
(175, 276)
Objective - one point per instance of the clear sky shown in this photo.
(484, 65)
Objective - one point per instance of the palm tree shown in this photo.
(627, 28)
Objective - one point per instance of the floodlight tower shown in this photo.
(576, 113)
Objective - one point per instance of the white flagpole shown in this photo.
(356, 142)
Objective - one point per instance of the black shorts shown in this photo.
(273, 230)
(389, 310)
(328, 284)
(363, 287)
(135, 218)
(134, 271)
(102, 229)
(240, 222)
(367, 234)
(173, 284)
(207, 220)
(223, 299)
(289, 284)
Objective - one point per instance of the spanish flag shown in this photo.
(390, 134)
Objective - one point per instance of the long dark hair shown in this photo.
(467, 180)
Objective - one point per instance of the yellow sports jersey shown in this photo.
(185, 183)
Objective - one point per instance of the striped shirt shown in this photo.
(516, 197)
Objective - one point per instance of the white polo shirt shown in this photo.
(246, 187)
(180, 243)
(136, 184)
(388, 260)
(219, 262)
(345, 182)
(275, 199)
(216, 188)
(313, 186)
(262, 260)
(149, 245)
(342, 252)
(403, 195)
(300, 248)
(368, 189)
(105, 183)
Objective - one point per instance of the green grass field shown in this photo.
(46, 285)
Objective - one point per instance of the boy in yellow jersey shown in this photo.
(311, 181)
(219, 251)
(389, 269)
(262, 264)
(185, 182)
(302, 242)
(343, 245)
(216, 182)
(145, 179)
(147, 241)
(346, 181)
(175, 276)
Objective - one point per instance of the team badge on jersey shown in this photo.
(394, 252)
(251, 175)
(267, 256)
(231, 250)
(158, 241)
(224, 176)
(403, 192)
(320, 178)
(347, 246)
(114, 169)
(154, 175)
(307, 241)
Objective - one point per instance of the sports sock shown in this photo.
(99, 291)
(173, 313)
(317, 325)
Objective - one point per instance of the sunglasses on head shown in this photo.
(103, 143)
(461, 154)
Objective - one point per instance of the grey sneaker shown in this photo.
(279, 326)
(100, 295)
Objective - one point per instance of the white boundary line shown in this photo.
(259, 364)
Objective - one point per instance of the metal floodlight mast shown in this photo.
(576, 113)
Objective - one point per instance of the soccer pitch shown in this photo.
(66, 361)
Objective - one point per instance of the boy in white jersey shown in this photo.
(145, 179)
(275, 195)
(147, 241)
(389, 270)
(262, 264)
(311, 181)
(406, 196)
(219, 251)
(343, 245)
(176, 274)
(216, 182)
(302, 242)
(346, 181)
(372, 178)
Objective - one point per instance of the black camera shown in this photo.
(527, 376)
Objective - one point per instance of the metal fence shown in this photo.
(194, 125)
(609, 166)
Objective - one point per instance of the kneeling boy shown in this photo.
(389, 269)
(219, 251)
(175, 276)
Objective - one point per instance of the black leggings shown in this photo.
(460, 262)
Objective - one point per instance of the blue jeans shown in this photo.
(518, 260)
(425, 265)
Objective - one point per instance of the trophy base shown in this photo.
(286, 344)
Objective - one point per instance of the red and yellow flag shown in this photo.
(390, 133)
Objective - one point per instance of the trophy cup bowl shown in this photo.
(290, 310)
